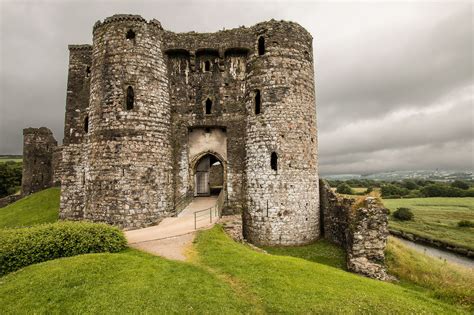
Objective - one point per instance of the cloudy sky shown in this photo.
(394, 80)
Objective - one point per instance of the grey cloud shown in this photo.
(372, 60)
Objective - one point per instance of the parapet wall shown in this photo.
(361, 228)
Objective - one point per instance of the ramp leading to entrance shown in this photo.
(170, 238)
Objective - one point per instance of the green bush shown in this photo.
(25, 246)
(465, 223)
(403, 214)
(344, 189)
(460, 184)
(10, 177)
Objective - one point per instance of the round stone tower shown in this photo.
(128, 180)
(282, 206)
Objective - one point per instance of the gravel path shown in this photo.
(174, 235)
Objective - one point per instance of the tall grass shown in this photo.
(445, 281)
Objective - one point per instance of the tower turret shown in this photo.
(128, 182)
(282, 206)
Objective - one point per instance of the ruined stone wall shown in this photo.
(283, 201)
(73, 165)
(56, 165)
(361, 228)
(38, 147)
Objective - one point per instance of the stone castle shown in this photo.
(154, 118)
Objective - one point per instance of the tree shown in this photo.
(10, 178)
(343, 188)
(460, 184)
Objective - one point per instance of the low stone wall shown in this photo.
(5, 201)
(361, 228)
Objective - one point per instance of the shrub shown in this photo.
(442, 190)
(369, 190)
(393, 190)
(460, 184)
(403, 214)
(465, 223)
(25, 246)
(10, 177)
(344, 189)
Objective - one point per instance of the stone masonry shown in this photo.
(145, 105)
(361, 227)
(38, 149)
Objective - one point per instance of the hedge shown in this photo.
(25, 246)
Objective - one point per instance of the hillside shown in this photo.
(40, 207)
(223, 277)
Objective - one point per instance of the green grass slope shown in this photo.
(436, 218)
(292, 285)
(124, 283)
(40, 207)
(224, 278)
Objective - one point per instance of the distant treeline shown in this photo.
(416, 188)
(10, 178)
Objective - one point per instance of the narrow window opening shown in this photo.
(130, 98)
(261, 46)
(258, 102)
(130, 34)
(208, 106)
(274, 161)
(207, 66)
(88, 71)
(86, 124)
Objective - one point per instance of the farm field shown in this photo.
(436, 218)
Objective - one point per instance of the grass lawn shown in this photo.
(123, 283)
(436, 218)
(223, 277)
(41, 207)
(293, 285)
(322, 252)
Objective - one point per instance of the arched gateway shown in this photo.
(208, 175)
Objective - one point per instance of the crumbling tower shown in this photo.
(281, 162)
(128, 182)
(38, 148)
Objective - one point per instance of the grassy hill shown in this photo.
(40, 207)
(223, 277)
(436, 218)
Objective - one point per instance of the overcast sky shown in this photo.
(394, 80)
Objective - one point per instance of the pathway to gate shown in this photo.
(174, 235)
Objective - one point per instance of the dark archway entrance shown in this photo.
(208, 176)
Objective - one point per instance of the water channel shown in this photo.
(438, 253)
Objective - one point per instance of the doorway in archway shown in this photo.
(208, 176)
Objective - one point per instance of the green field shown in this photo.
(4, 159)
(41, 207)
(436, 218)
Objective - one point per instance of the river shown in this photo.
(438, 253)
